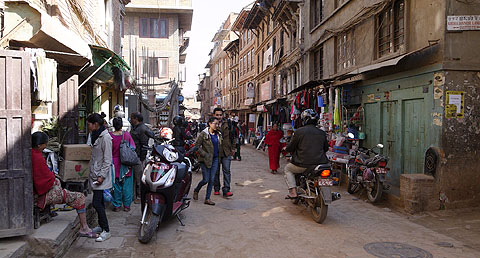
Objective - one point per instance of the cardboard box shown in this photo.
(77, 152)
(74, 170)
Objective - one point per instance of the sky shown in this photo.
(208, 16)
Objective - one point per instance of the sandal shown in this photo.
(90, 234)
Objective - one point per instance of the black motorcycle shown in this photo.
(314, 190)
(368, 173)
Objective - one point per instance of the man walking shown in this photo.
(140, 135)
(228, 151)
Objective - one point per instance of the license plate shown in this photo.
(382, 170)
(325, 182)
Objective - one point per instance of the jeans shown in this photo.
(227, 176)
(208, 177)
(290, 171)
(99, 206)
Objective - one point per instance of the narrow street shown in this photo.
(259, 222)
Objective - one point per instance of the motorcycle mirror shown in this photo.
(380, 146)
(351, 136)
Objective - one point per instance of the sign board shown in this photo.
(260, 108)
(265, 91)
(463, 22)
(251, 118)
(250, 90)
(455, 104)
(248, 102)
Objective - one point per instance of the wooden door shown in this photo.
(16, 189)
(413, 136)
(390, 140)
(68, 108)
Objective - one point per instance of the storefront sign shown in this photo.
(251, 118)
(248, 102)
(250, 90)
(455, 104)
(265, 91)
(463, 22)
(260, 108)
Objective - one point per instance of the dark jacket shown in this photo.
(228, 139)
(179, 136)
(308, 146)
(140, 135)
(205, 147)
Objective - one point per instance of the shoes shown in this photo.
(103, 236)
(208, 202)
(97, 230)
(195, 195)
(228, 194)
(137, 201)
(216, 193)
(126, 209)
(116, 209)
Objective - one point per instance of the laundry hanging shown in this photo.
(46, 79)
(336, 112)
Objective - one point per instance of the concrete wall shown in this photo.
(424, 21)
(459, 173)
(461, 48)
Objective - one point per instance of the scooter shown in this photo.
(166, 182)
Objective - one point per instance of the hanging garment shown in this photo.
(336, 112)
(47, 79)
(34, 52)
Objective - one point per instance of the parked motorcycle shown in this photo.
(368, 172)
(192, 154)
(314, 191)
(166, 180)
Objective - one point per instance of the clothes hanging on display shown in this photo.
(46, 79)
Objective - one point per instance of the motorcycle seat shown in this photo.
(181, 171)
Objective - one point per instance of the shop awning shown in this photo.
(107, 67)
(308, 85)
(40, 30)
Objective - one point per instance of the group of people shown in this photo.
(106, 171)
(216, 146)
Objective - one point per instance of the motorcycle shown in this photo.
(368, 173)
(314, 191)
(192, 154)
(166, 182)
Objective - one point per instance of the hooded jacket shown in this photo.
(205, 147)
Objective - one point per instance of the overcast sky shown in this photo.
(208, 15)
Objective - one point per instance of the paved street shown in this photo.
(259, 222)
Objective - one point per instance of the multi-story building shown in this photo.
(410, 68)
(83, 38)
(154, 45)
(219, 64)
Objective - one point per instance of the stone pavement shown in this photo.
(259, 222)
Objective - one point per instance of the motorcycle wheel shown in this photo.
(147, 229)
(319, 210)
(352, 187)
(375, 193)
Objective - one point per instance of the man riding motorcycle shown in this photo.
(308, 147)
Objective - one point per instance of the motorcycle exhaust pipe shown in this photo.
(336, 196)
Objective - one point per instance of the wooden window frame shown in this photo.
(390, 27)
(317, 8)
(345, 50)
(148, 33)
(318, 60)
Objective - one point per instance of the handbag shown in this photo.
(128, 156)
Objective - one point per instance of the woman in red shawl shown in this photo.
(274, 146)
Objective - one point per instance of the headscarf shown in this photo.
(95, 134)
